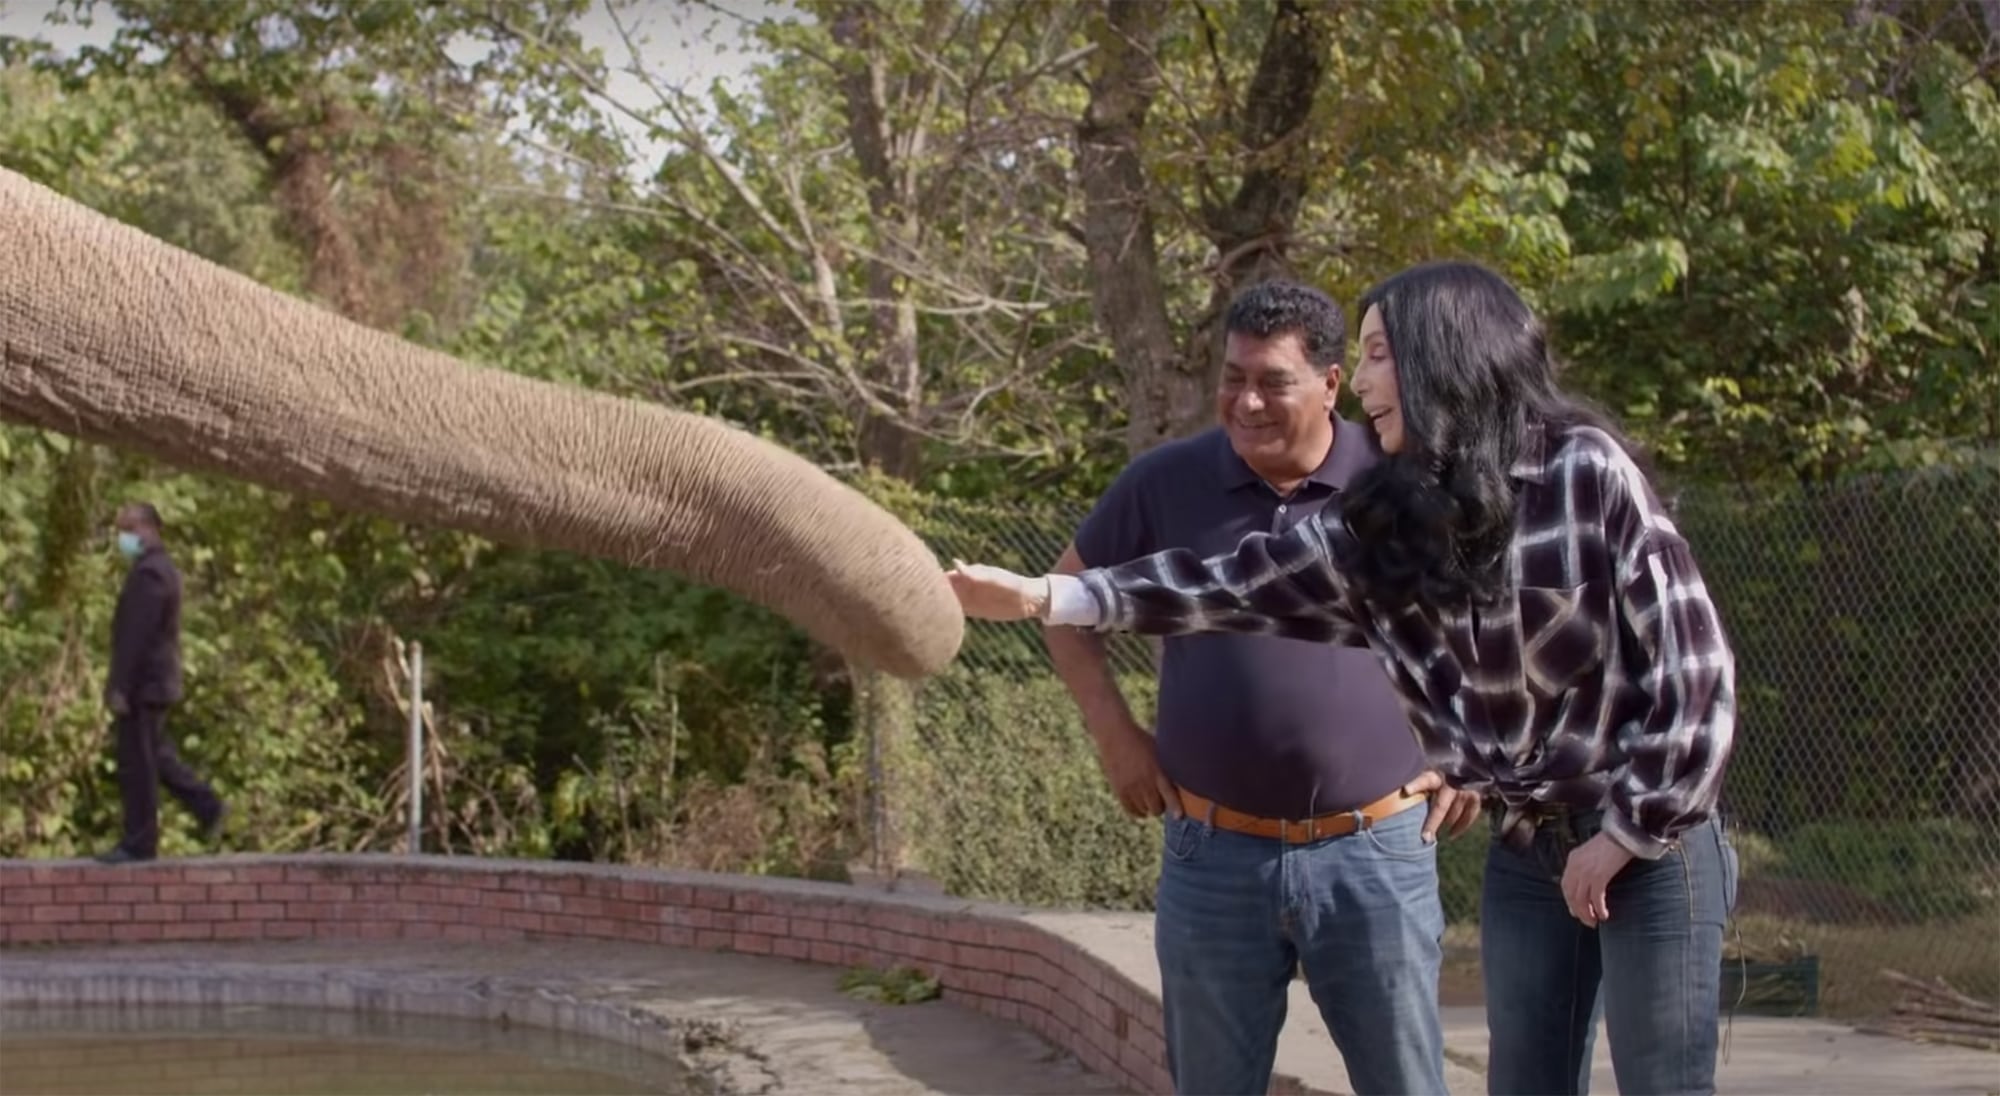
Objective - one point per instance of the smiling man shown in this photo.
(1286, 769)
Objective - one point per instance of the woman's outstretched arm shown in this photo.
(1286, 585)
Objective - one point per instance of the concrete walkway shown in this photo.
(1793, 1056)
(1763, 1054)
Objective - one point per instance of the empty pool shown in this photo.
(199, 1050)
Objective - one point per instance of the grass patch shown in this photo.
(895, 986)
(1964, 952)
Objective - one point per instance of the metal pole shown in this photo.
(416, 748)
(878, 790)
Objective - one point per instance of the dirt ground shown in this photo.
(1458, 980)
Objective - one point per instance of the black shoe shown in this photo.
(122, 855)
(211, 834)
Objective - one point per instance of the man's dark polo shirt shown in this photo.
(1275, 727)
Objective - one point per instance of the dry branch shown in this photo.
(1939, 990)
(1935, 1012)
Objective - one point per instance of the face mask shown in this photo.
(129, 545)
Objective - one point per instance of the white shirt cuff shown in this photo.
(1070, 604)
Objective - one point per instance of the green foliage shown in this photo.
(1760, 225)
(1010, 803)
(263, 712)
(146, 152)
(1461, 867)
(1832, 256)
(537, 644)
(1917, 869)
(1864, 622)
(315, 62)
(895, 986)
(549, 675)
(571, 298)
(1758, 231)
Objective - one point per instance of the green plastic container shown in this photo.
(1771, 989)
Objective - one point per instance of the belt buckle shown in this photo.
(1311, 826)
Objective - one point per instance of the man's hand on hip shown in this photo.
(1450, 810)
(1132, 768)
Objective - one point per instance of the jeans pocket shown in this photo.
(1732, 867)
(1401, 837)
(1184, 838)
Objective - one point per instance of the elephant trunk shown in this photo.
(109, 335)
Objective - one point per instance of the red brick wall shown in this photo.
(985, 957)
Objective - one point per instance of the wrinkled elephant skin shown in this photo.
(109, 335)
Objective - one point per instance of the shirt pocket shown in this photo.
(1562, 635)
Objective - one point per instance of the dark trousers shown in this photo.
(146, 760)
(1653, 972)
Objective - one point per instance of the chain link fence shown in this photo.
(1864, 797)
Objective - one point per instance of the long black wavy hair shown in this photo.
(1433, 523)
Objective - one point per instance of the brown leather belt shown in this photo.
(1298, 831)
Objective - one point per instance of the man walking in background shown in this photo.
(1286, 770)
(144, 681)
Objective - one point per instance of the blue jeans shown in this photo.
(1653, 970)
(1236, 914)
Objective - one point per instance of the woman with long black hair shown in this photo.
(1552, 640)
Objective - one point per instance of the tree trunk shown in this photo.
(1168, 386)
(1252, 232)
(302, 174)
(68, 515)
(891, 346)
(1126, 292)
(404, 233)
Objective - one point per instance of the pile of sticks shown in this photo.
(1933, 1012)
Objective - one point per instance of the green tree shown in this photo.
(1758, 229)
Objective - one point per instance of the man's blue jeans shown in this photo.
(1657, 962)
(1361, 914)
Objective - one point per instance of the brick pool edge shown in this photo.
(988, 957)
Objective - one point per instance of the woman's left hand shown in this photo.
(1586, 877)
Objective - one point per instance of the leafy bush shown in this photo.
(1013, 806)
(1461, 865)
(895, 986)
(1010, 804)
(1923, 870)
(1864, 674)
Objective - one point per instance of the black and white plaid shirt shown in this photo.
(1608, 682)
